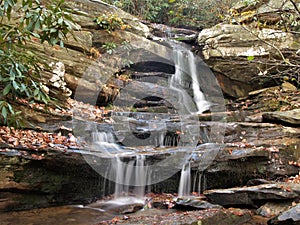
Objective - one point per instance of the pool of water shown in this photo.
(63, 215)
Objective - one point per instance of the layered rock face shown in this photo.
(251, 48)
(82, 53)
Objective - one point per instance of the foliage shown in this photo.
(111, 22)
(109, 47)
(250, 2)
(126, 48)
(21, 22)
(282, 19)
(176, 12)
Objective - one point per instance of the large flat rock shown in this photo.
(291, 117)
(253, 196)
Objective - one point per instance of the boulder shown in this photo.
(179, 34)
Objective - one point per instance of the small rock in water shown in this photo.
(195, 203)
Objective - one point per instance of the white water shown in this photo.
(105, 142)
(202, 104)
(131, 177)
(186, 66)
(185, 181)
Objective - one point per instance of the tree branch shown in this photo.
(295, 6)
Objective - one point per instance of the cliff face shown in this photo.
(253, 49)
(84, 50)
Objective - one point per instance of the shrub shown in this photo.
(199, 13)
(20, 68)
(110, 22)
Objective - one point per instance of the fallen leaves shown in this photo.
(87, 111)
(294, 179)
(293, 163)
(72, 108)
(34, 140)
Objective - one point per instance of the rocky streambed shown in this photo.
(256, 167)
(244, 167)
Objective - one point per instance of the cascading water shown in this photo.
(129, 171)
(186, 77)
(131, 177)
(105, 142)
(185, 181)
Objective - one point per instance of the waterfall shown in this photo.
(105, 142)
(201, 103)
(186, 70)
(131, 177)
(200, 176)
(185, 181)
(103, 137)
(130, 173)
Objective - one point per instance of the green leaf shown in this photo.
(250, 58)
(4, 112)
(7, 89)
(15, 85)
(36, 92)
(60, 21)
(10, 108)
(53, 30)
(61, 44)
(38, 25)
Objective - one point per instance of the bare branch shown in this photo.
(295, 6)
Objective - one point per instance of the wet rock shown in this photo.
(272, 209)
(203, 217)
(67, 215)
(118, 206)
(246, 156)
(291, 117)
(46, 178)
(194, 203)
(255, 182)
(289, 217)
(252, 196)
